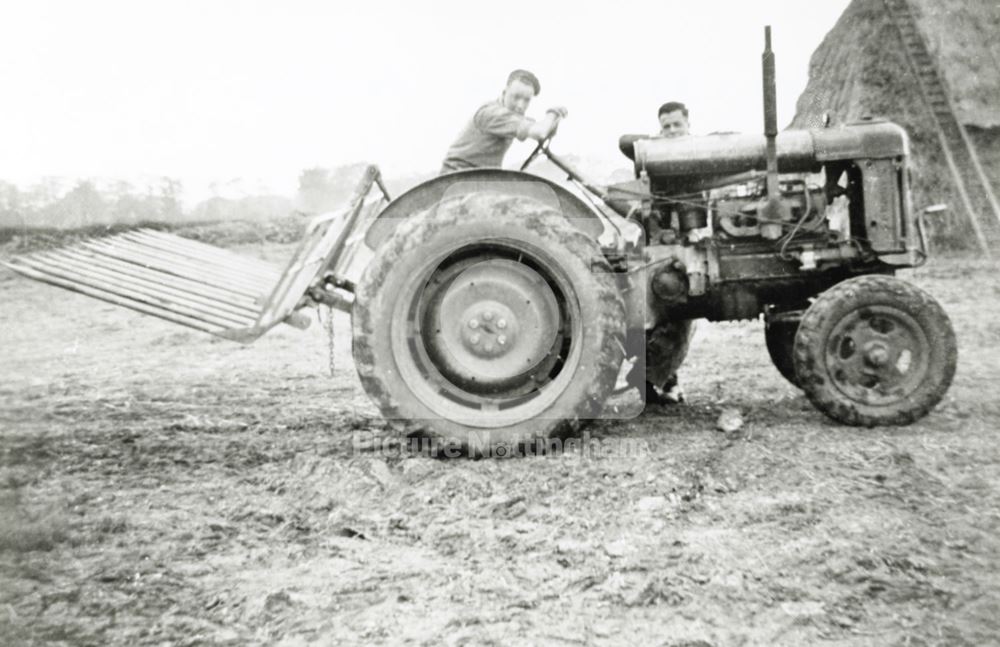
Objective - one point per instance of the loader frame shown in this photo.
(206, 288)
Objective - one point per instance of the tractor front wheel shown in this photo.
(488, 322)
(875, 350)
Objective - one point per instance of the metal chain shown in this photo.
(329, 336)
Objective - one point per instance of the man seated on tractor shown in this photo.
(666, 345)
(486, 138)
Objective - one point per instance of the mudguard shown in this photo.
(426, 195)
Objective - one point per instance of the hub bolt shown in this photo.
(878, 356)
(502, 339)
(473, 324)
(501, 324)
(474, 339)
(488, 347)
(488, 316)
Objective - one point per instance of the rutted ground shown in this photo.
(161, 486)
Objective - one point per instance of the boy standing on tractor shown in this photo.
(486, 138)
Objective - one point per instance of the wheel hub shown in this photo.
(490, 329)
(492, 325)
(876, 354)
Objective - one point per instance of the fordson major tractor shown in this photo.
(499, 307)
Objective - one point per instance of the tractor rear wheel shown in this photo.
(875, 350)
(488, 322)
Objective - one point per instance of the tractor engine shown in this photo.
(736, 214)
(718, 245)
(736, 211)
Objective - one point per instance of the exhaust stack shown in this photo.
(773, 211)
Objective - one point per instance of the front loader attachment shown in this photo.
(207, 288)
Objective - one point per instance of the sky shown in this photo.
(213, 90)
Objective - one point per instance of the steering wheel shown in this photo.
(542, 145)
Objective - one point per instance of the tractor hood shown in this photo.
(799, 151)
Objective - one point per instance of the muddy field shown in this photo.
(159, 486)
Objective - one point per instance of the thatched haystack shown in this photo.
(860, 69)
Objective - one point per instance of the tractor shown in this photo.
(495, 307)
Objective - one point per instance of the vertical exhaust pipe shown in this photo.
(774, 210)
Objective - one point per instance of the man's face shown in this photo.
(673, 124)
(517, 96)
